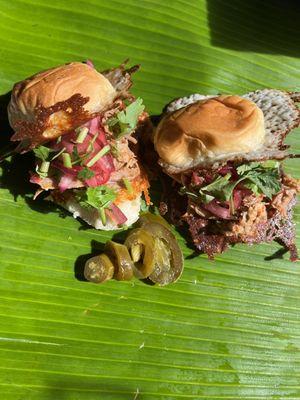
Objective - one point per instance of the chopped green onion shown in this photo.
(102, 215)
(100, 154)
(58, 140)
(44, 168)
(128, 185)
(67, 160)
(82, 134)
(81, 159)
(114, 150)
(77, 158)
(91, 145)
(231, 204)
(58, 154)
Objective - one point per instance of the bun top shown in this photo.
(209, 130)
(48, 104)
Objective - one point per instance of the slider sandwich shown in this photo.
(81, 126)
(223, 155)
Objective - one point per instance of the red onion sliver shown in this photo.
(119, 216)
(217, 210)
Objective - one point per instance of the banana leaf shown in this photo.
(229, 329)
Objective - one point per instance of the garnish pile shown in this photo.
(221, 193)
(236, 203)
(94, 162)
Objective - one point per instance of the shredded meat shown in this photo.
(290, 182)
(282, 200)
(263, 222)
(125, 162)
(247, 228)
(259, 220)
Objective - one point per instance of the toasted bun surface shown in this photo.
(209, 129)
(54, 101)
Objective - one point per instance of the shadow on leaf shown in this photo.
(278, 255)
(96, 249)
(268, 27)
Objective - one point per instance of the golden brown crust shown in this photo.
(50, 103)
(52, 122)
(209, 129)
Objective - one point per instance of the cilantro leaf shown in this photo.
(144, 206)
(42, 152)
(261, 178)
(258, 177)
(247, 167)
(271, 164)
(85, 174)
(125, 121)
(215, 189)
(217, 185)
(183, 190)
(266, 180)
(203, 197)
(132, 112)
(253, 187)
(99, 197)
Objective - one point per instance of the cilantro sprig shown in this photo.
(42, 152)
(125, 121)
(99, 197)
(260, 178)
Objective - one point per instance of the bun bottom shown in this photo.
(130, 208)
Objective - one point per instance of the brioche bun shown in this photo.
(55, 101)
(209, 129)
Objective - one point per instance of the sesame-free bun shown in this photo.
(209, 129)
(50, 103)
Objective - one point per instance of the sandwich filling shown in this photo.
(246, 203)
(95, 164)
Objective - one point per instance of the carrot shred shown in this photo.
(139, 184)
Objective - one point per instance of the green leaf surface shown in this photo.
(42, 153)
(229, 329)
(126, 120)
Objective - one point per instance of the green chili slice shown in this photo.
(147, 218)
(99, 269)
(119, 256)
(141, 246)
(168, 258)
